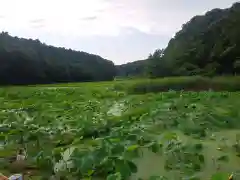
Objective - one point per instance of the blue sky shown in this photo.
(119, 30)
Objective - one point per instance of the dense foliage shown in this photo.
(26, 61)
(190, 83)
(207, 45)
(91, 131)
(132, 69)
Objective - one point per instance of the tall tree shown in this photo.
(155, 63)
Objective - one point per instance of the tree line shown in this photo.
(27, 61)
(207, 45)
(133, 69)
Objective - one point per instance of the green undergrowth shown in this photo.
(94, 131)
(181, 83)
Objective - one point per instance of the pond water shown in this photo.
(152, 164)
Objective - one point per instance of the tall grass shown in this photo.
(194, 83)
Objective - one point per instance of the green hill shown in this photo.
(27, 61)
(206, 45)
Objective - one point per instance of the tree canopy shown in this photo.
(207, 45)
(136, 68)
(27, 61)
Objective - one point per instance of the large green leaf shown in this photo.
(67, 153)
(155, 147)
(116, 176)
(132, 147)
(123, 167)
(133, 167)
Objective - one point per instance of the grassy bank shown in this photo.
(180, 83)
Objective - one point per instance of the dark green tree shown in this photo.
(27, 61)
(155, 63)
(207, 45)
(132, 69)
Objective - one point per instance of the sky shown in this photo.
(119, 30)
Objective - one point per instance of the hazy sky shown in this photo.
(119, 30)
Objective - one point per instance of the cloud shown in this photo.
(37, 21)
(121, 30)
(38, 26)
(90, 18)
(131, 44)
(105, 17)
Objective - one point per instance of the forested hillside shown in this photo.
(26, 61)
(136, 68)
(207, 45)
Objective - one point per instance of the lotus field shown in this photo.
(94, 131)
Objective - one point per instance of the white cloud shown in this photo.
(74, 16)
(60, 22)
(60, 16)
